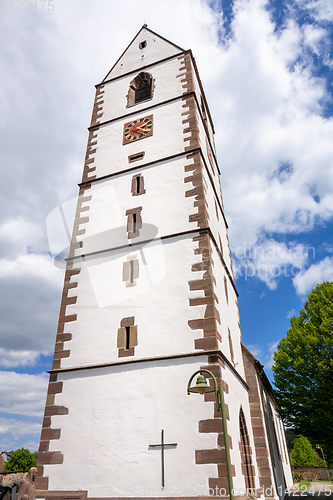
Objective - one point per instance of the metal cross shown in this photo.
(162, 446)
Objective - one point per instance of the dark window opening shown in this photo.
(221, 247)
(231, 349)
(136, 157)
(134, 223)
(138, 184)
(226, 289)
(140, 89)
(143, 90)
(127, 337)
(128, 330)
(143, 44)
(203, 109)
(131, 271)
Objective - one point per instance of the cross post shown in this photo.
(162, 446)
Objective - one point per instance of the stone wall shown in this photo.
(9, 478)
(314, 473)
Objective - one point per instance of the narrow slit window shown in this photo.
(226, 289)
(138, 185)
(127, 334)
(134, 222)
(203, 109)
(127, 338)
(221, 247)
(143, 44)
(210, 155)
(136, 157)
(231, 349)
(131, 271)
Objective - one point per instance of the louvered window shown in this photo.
(143, 90)
(140, 89)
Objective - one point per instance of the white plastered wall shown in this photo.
(167, 139)
(217, 224)
(236, 399)
(198, 94)
(166, 82)
(159, 302)
(112, 197)
(285, 459)
(157, 48)
(115, 413)
(229, 315)
(283, 451)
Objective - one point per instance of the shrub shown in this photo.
(21, 459)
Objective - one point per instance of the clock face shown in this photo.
(138, 129)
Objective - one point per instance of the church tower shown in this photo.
(149, 299)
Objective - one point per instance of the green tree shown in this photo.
(21, 459)
(302, 453)
(303, 370)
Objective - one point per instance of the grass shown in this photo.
(304, 483)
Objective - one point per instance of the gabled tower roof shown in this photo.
(146, 48)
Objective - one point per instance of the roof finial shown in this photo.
(144, 25)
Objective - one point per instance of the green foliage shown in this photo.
(319, 461)
(290, 438)
(297, 477)
(303, 371)
(303, 453)
(20, 460)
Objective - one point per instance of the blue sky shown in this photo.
(267, 70)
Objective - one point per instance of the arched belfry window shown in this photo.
(140, 89)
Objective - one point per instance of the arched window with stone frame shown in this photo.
(246, 453)
(140, 89)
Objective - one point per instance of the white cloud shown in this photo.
(23, 394)
(19, 427)
(30, 297)
(264, 353)
(321, 10)
(315, 38)
(19, 433)
(31, 265)
(256, 350)
(10, 358)
(275, 148)
(317, 273)
(269, 359)
(291, 313)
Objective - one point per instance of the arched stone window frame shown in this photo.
(136, 84)
(246, 452)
